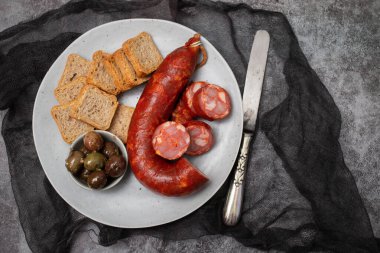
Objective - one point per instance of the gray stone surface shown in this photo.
(12, 237)
(341, 41)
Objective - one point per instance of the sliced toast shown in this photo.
(67, 93)
(130, 79)
(99, 55)
(76, 66)
(114, 71)
(94, 107)
(120, 122)
(99, 76)
(69, 127)
(143, 54)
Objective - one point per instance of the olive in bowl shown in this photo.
(97, 160)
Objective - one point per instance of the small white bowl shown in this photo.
(107, 136)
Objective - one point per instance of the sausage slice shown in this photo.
(170, 140)
(212, 102)
(201, 137)
(189, 94)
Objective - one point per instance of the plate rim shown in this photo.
(234, 154)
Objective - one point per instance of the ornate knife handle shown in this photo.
(234, 201)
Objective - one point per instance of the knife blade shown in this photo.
(254, 79)
(251, 100)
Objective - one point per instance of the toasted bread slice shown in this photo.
(69, 127)
(76, 66)
(143, 54)
(94, 107)
(67, 93)
(120, 122)
(128, 73)
(114, 71)
(98, 75)
(99, 55)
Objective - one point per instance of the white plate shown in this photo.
(130, 204)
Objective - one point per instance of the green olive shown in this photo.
(97, 180)
(94, 161)
(110, 149)
(93, 141)
(74, 162)
(115, 166)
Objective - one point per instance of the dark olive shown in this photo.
(97, 180)
(93, 141)
(74, 162)
(110, 149)
(84, 175)
(84, 150)
(94, 161)
(115, 166)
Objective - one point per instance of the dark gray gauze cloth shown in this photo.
(300, 196)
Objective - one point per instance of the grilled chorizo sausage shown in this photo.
(171, 178)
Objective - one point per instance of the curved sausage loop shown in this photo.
(204, 57)
(171, 178)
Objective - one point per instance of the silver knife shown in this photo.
(251, 100)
